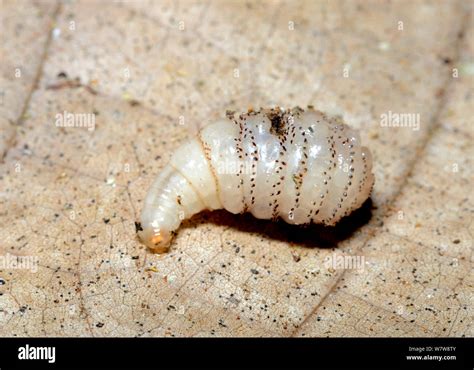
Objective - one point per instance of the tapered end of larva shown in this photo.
(157, 241)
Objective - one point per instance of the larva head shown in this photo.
(156, 239)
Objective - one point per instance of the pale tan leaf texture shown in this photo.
(151, 73)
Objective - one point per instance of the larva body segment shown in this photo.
(301, 166)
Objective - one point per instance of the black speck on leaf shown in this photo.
(447, 60)
(138, 227)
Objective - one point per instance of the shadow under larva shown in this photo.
(308, 236)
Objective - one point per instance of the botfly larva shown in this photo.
(300, 165)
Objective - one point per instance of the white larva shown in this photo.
(301, 166)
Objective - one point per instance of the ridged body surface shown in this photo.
(299, 165)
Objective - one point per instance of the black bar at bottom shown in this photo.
(136, 353)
